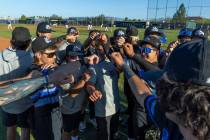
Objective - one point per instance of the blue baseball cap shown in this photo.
(184, 33)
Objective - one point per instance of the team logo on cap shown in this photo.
(73, 31)
(155, 29)
(47, 27)
(120, 33)
(199, 33)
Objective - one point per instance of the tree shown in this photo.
(23, 17)
(180, 15)
(101, 18)
(54, 16)
(126, 19)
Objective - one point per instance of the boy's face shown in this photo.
(150, 55)
(185, 39)
(71, 38)
(46, 57)
(47, 35)
(100, 51)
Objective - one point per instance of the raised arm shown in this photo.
(77, 87)
(137, 85)
(128, 48)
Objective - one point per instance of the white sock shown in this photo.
(74, 138)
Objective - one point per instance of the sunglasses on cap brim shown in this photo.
(73, 32)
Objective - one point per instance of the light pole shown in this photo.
(147, 9)
(166, 9)
(156, 10)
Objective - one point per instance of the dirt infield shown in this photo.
(4, 43)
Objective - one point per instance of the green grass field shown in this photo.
(60, 30)
(5, 33)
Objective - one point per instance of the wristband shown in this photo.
(127, 71)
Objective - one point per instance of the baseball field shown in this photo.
(5, 36)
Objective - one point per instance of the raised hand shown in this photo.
(121, 41)
(92, 60)
(128, 49)
(117, 58)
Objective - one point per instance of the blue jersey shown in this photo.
(169, 130)
(48, 94)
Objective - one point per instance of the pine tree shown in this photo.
(180, 15)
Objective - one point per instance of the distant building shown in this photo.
(138, 24)
(194, 18)
(5, 20)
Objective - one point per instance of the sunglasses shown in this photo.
(146, 50)
(49, 55)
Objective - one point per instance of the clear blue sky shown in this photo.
(115, 8)
(66, 8)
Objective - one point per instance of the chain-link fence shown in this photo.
(163, 9)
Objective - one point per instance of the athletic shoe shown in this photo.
(82, 126)
(93, 122)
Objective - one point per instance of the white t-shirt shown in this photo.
(105, 77)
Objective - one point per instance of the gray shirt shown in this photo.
(73, 104)
(15, 64)
(105, 78)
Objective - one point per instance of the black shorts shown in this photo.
(22, 120)
(48, 122)
(107, 126)
(71, 121)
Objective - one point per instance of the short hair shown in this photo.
(190, 102)
(20, 45)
